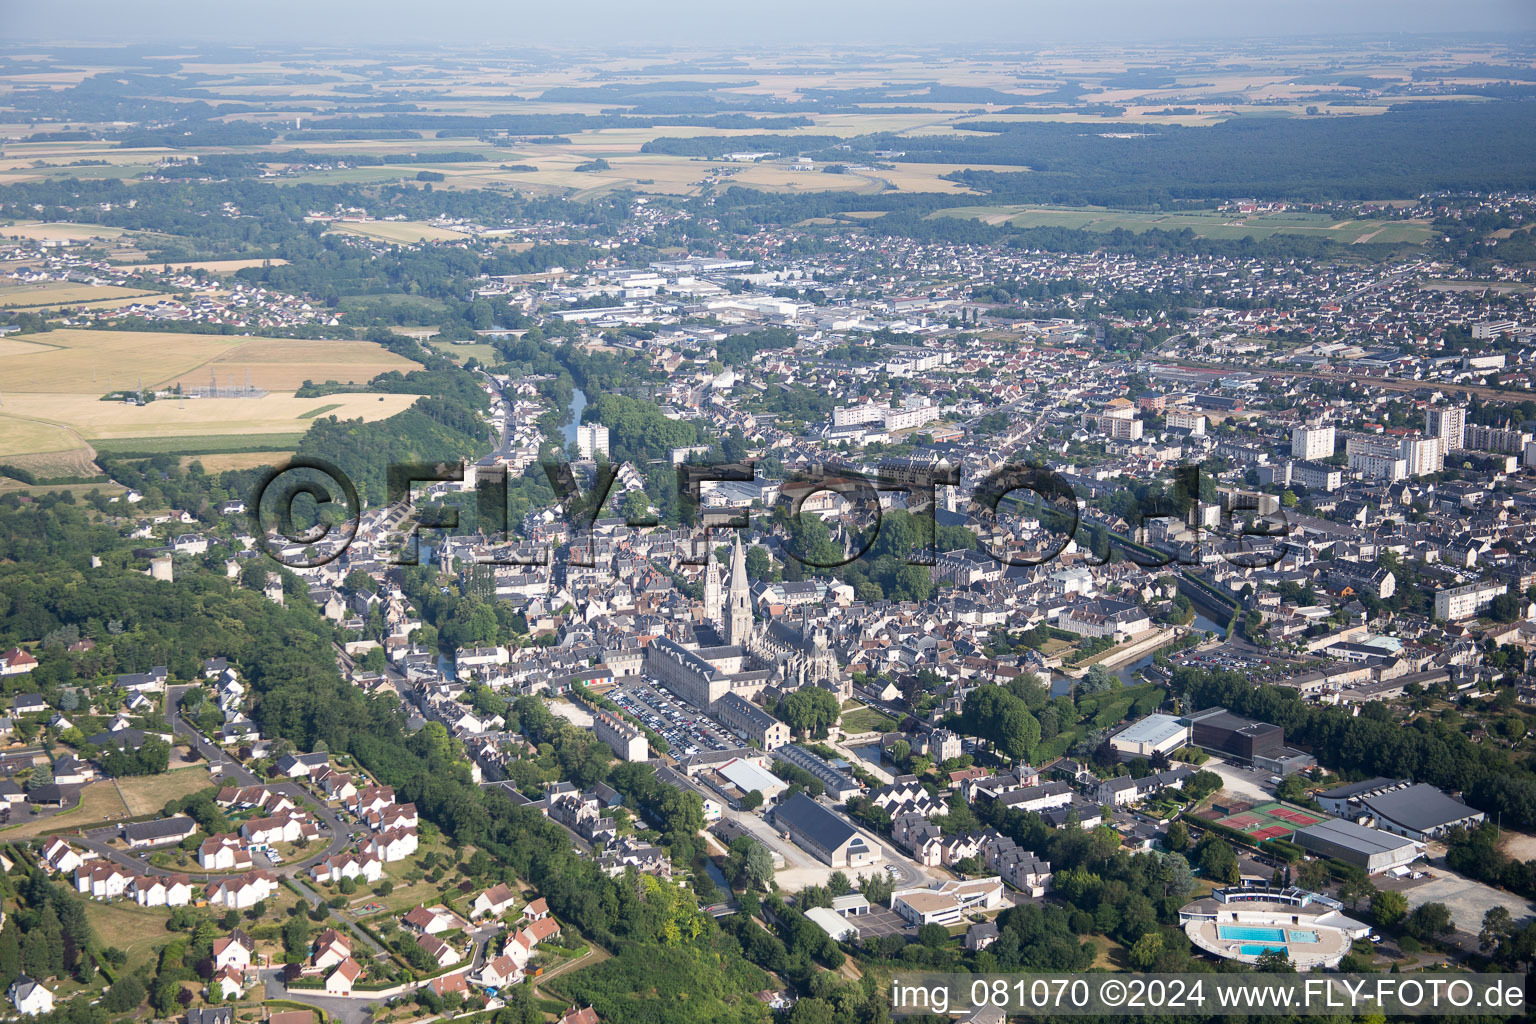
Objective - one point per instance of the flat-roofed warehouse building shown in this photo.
(826, 835)
(1420, 812)
(1370, 849)
(1259, 744)
(1151, 735)
(947, 902)
(748, 776)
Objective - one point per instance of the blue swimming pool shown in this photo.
(1259, 950)
(1302, 937)
(1247, 932)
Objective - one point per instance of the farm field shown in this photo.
(43, 231)
(461, 353)
(53, 413)
(95, 362)
(273, 445)
(222, 462)
(1204, 225)
(52, 409)
(276, 413)
(280, 364)
(221, 266)
(14, 296)
(136, 298)
(399, 231)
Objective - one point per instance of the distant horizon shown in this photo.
(796, 24)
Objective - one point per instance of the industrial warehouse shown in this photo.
(1370, 849)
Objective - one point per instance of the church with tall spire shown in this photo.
(738, 609)
(749, 659)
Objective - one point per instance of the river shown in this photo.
(578, 405)
(1127, 673)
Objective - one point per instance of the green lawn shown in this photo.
(867, 719)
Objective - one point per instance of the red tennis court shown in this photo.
(1241, 821)
(1271, 832)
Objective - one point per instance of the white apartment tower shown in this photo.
(592, 438)
(1311, 443)
(1424, 455)
(1448, 423)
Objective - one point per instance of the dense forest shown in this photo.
(1411, 149)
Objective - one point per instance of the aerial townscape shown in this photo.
(510, 533)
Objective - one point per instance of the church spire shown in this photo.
(739, 602)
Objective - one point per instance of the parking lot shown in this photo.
(1233, 659)
(880, 921)
(686, 729)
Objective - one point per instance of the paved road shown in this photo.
(315, 900)
(346, 1011)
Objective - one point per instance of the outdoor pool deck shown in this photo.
(1312, 936)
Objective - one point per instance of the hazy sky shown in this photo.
(607, 23)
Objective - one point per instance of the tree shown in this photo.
(810, 710)
(1098, 680)
(1201, 785)
(1388, 907)
(1355, 888)
(1177, 838)
(295, 938)
(995, 714)
(35, 955)
(1429, 920)
(1314, 875)
(757, 868)
(1217, 861)
(1175, 876)
(42, 775)
(752, 800)
(1293, 788)
(877, 887)
(126, 993)
(1497, 926)
(934, 936)
(1505, 608)
(1274, 960)
(1146, 950)
(10, 953)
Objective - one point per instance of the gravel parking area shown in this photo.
(1468, 900)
